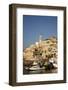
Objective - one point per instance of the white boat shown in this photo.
(55, 65)
(36, 68)
(52, 61)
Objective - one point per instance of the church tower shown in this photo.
(40, 38)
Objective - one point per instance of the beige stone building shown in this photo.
(47, 46)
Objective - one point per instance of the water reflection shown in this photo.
(39, 71)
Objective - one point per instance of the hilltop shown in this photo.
(42, 49)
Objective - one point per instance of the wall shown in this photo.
(4, 44)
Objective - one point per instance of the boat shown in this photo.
(36, 68)
(53, 61)
(55, 65)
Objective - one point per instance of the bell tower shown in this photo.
(40, 38)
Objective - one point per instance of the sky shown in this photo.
(34, 26)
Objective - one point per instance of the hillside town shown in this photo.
(41, 55)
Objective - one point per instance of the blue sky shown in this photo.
(34, 26)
